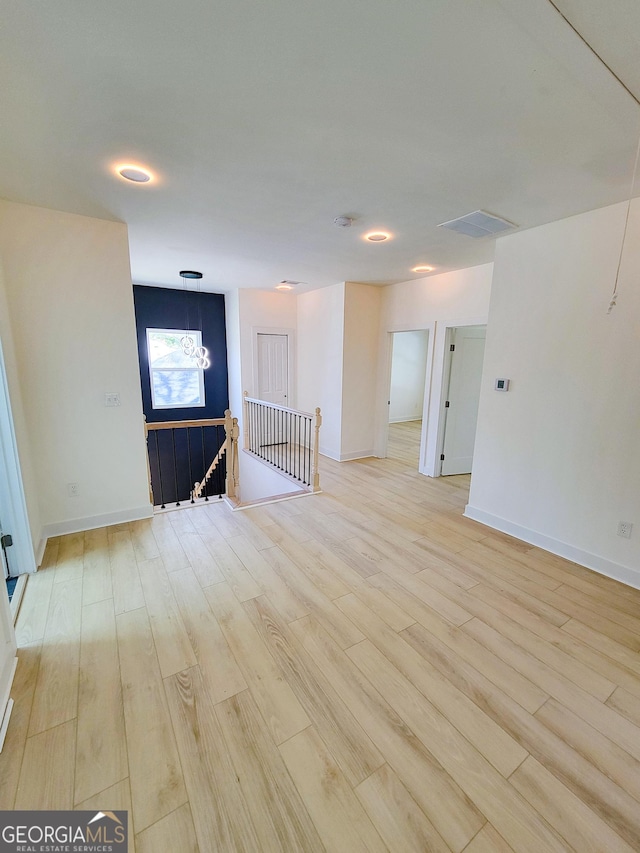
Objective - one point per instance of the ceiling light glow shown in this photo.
(284, 286)
(133, 173)
(377, 236)
(422, 268)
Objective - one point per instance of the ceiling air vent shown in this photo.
(478, 224)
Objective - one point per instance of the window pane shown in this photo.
(165, 347)
(173, 388)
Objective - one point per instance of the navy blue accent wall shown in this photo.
(164, 308)
(179, 458)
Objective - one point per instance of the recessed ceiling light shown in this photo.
(284, 286)
(377, 236)
(422, 268)
(134, 173)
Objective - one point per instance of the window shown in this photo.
(176, 381)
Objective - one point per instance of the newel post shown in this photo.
(245, 420)
(231, 431)
(316, 451)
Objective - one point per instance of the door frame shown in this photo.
(290, 335)
(444, 391)
(13, 504)
(382, 415)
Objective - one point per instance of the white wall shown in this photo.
(259, 481)
(264, 310)
(70, 303)
(245, 311)
(359, 369)
(320, 361)
(459, 298)
(408, 373)
(557, 458)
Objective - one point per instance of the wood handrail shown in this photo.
(229, 446)
(287, 464)
(248, 399)
(182, 424)
(197, 490)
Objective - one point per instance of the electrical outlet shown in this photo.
(112, 398)
(624, 529)
(73, 490)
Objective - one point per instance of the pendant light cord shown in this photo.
(614, 295)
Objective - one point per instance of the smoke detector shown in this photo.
(343, 221)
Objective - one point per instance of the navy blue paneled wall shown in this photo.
(164, 308)
(179, 458)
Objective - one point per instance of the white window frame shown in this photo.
(195, 333)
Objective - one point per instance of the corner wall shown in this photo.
(245, 310)
(320, 361)
(70, 303)
(359, 369)
(557, 458)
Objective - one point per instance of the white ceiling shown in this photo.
(264, 121)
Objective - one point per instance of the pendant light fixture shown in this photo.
(189, 348)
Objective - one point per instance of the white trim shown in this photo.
(442, 412)
(198, 335)
(357, 454)
(16, 598)
(273, 499)
(330, 454)
(42, 544)
(291, 350)
(405, 420)
(5, 720)
(13, 504)
(384, 389)
(78, 525)
(435, 426)
(624, 574)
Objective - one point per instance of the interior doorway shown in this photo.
(463, 374)
(273, 368)
(407, 388)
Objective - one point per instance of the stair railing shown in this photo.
(285, 438)
(177, 455)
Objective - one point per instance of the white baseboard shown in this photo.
(6, 702)
(324, 451)
(406, 420)
(346, 457)
(39, 555)
(358, 454)
(624, 574)
(274, 499)
(77, 525)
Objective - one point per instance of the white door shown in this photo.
(273, 368)
(8, 659)
(461, 413)
(13, 511)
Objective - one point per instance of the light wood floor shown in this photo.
(362, 669)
